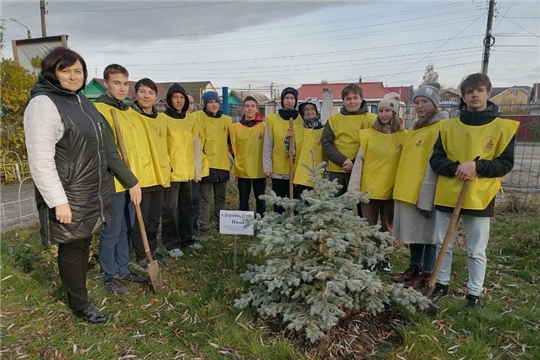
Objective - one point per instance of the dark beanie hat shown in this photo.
(209, 95)
(290, 90)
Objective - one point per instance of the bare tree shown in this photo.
(324, 81)
(430, 75)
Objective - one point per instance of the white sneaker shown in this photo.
(196, 246)
(175, 253)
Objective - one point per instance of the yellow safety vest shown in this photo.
(247, 144)
(278, 130)
(347, 140)
(156, 130)
(464, 143)
(205, 169)
(180, 137)
(215, 146)
(307, 141)
(413, 163)
(136, 143)
(381, 159)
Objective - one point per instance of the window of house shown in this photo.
(513, 93)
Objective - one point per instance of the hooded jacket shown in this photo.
(497, 167)
(171, 111)
(81, 165)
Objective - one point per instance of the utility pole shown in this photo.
(43, 12)
(489, 40)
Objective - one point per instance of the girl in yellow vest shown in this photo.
(184, 152)
(155, 125)
(376, 164)
(477, 147)
(215, 128)
(307, 141)
(341, 139)
(414, 189)
(275, 157)
(247, 144)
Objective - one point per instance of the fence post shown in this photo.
(225, 96)
(327, 104)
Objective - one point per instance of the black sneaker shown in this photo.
(473, 302)
(115, 286)
(91, 315)
(160, 258)
(141, 264)
(132, 277)
(439, 291)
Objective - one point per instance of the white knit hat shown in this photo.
(390, 101)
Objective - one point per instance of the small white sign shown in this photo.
(232, 222)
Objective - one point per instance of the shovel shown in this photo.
(291, 163)
(447, 237)
(153, 265)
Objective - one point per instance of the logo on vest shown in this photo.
(260, 136)
(488, 143)
(224, 128)
(399, 145)
(362, 127)
(419, 141)
(159, 133)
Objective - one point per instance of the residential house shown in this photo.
(512, 99)
(534, 100)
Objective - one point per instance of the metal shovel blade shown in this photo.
(155, 275)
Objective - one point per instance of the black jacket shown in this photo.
(82, 168)
(171, 111)
(116, 167)
(497, 167)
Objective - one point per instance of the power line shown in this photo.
(521, 27)
(150, 8)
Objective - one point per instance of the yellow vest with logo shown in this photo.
(278, 130)
(136, 143)
(156, 130)
(205, 169)
(180, 136)
(413, 163)
(464, 143)
(306, 141)
(381, 159)
(347, 140)
(215, 146)
(247, 144)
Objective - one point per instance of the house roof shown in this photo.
(261, 98)
(527, 89)
(497, 90)
(452, 91)
(372, 90)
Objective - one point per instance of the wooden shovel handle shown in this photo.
(291, 160)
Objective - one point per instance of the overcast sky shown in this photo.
(243, 43)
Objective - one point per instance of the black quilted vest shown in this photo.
(81, 166)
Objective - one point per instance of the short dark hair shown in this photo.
(114, 69)
(352, 88)
(146, 82)
(474, 81)
(61, 58)
(250, 98)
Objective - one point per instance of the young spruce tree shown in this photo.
(317, 252)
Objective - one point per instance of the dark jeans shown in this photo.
(299, 189)
(343, 180)
(220, 192)
(244, 189)
(177, 225)
(151, 207)
(423, 256)
(281, 188)
(196, 196)
(72, 266)
(114, 241)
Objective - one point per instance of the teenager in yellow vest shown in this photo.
(414, 190)
(215, 128)
(307, 144)
(114, 244)
(155, 126)
(247, 144)
(477, 147)
(185, 155)
(341, 139)
(196, 185)
(275, 157)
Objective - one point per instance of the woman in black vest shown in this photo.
(66, 153)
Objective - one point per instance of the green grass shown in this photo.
(194, 317)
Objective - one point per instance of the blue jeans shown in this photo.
(423, 256)
(477, 235)
(114, 241)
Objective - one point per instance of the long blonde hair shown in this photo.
(425, 120)
(396, 124)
